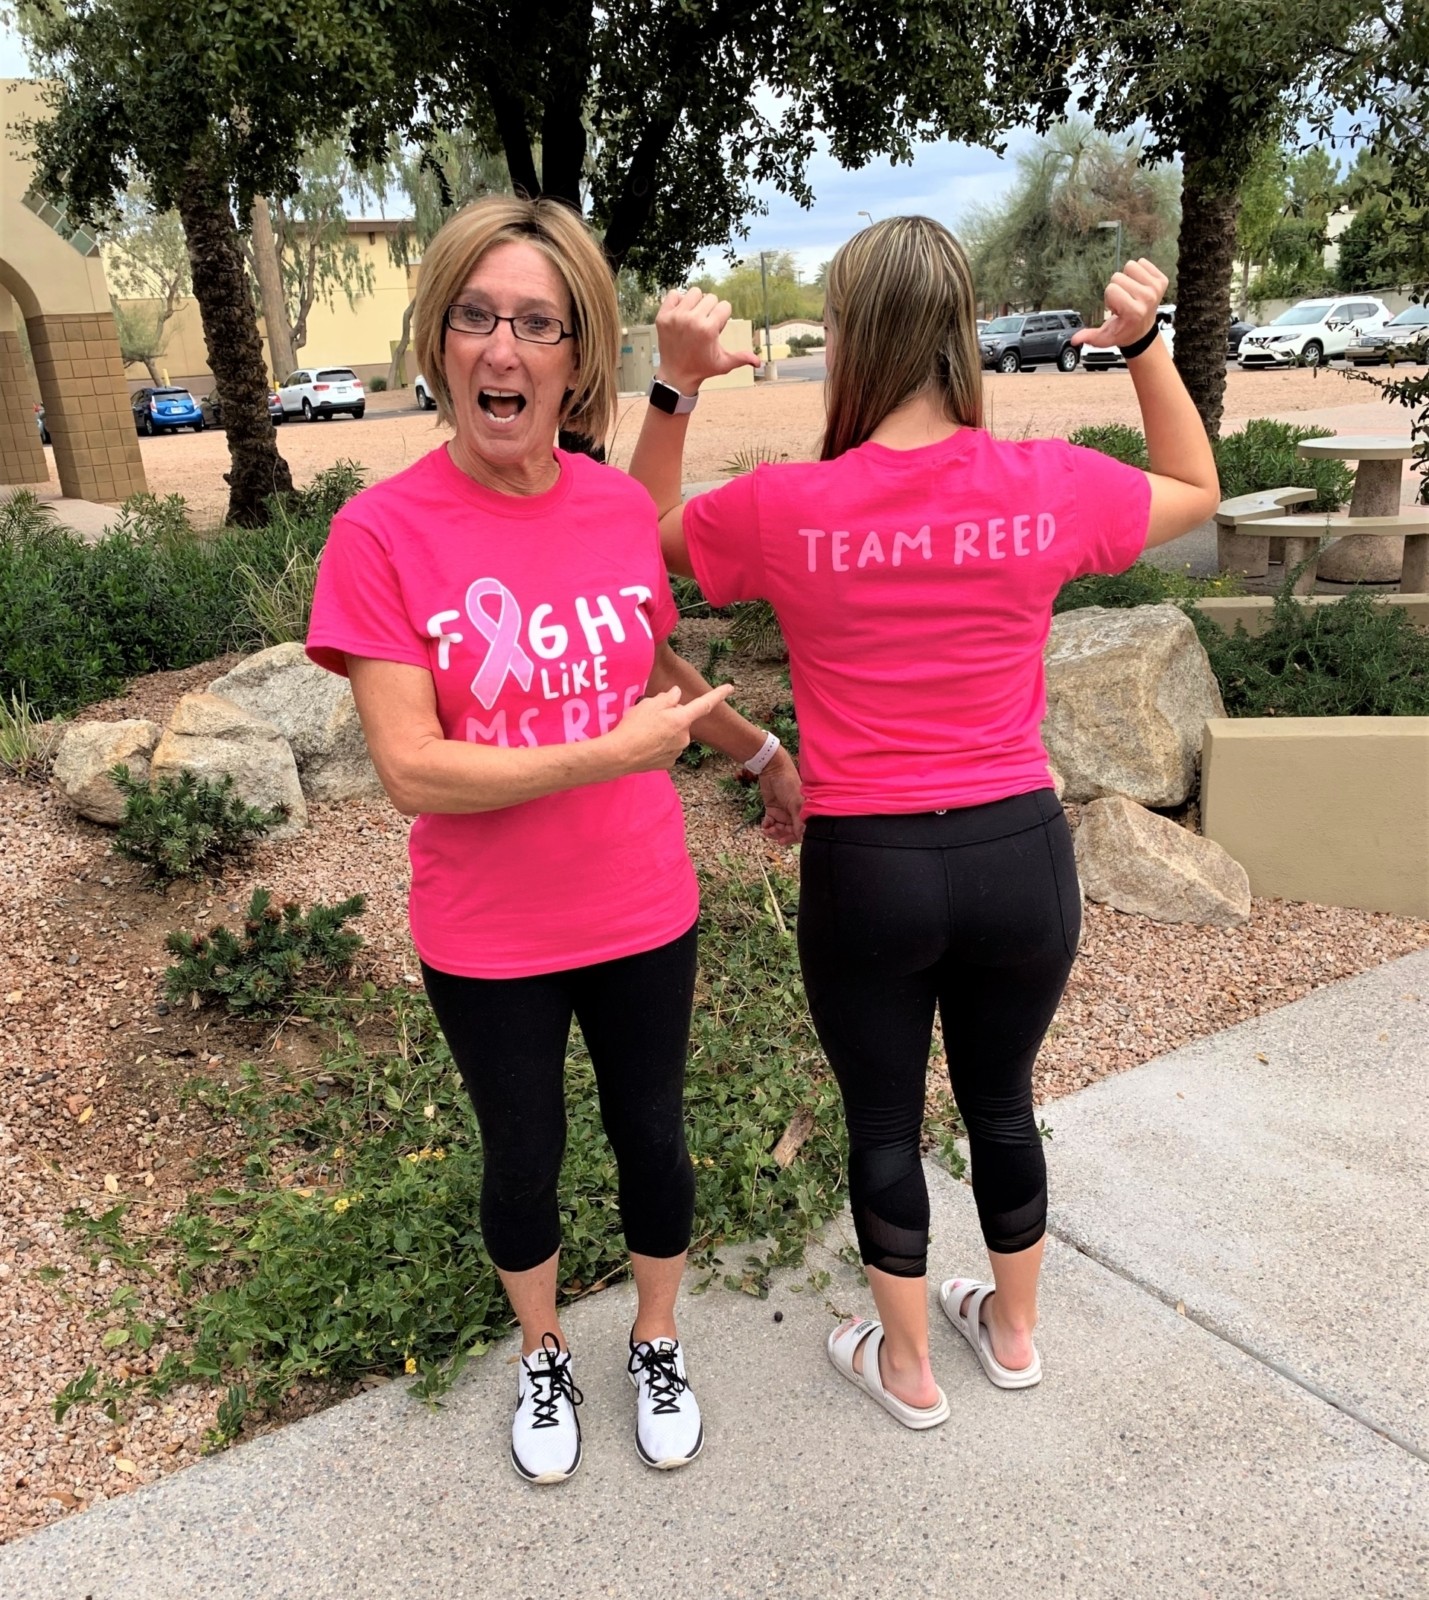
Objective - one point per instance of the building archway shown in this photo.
(51, 277)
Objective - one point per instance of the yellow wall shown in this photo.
(358, 336)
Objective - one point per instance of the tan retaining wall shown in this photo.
(1329, 809)
(1254, 611)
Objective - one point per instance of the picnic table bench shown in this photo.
(1250, 553)
(1303, 535)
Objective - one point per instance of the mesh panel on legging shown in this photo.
(890, 1209)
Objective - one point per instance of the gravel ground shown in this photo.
(783, 417)
(91, 1064)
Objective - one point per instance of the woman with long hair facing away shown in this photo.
(503, 613)
(913, 570)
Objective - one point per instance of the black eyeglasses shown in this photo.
(535, 327)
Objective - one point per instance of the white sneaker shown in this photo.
(546, 1432)
(668, 1430)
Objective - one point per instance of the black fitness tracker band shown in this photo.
(669, 400)
(1128, 351)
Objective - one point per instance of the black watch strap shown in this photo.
(1145, 342)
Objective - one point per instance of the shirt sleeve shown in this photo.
(722, 536)
(1112, 511)
(358, 608)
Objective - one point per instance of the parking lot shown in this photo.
(785, 416)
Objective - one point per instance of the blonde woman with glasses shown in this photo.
(913, 569)
(503, 613)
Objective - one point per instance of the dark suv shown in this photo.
(1008, 343)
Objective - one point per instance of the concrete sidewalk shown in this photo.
(1267, 1439)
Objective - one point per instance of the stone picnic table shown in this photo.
(1379, 476)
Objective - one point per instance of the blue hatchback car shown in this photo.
(157, 410)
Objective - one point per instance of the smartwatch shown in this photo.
(670, 400)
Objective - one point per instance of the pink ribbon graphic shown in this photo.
(502, 635)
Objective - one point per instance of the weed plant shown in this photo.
(1116, 440)
(26, 741)
(280, 952)
(1356, 658)
(186, 827)
(1142, 585)
(751, 456)
(25, 517)
(351, 1246)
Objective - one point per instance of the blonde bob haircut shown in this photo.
(903, 312)
(554, 229)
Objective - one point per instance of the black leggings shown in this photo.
(976, 912)
(508, 1036)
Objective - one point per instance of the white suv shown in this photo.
(1312, 331)
(322, 392)
(423, 395)
(1096, 358)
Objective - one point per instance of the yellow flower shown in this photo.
(341, 1204)
(410, 1366)
(339, 1153)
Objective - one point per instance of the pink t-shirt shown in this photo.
(915, 591)
(537, 617)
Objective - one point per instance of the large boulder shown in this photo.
(1131, 859)
(1128, 694)
(315, 713)
(210, 736)
(86, 752)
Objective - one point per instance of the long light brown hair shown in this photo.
(903, 312)
(560, 235)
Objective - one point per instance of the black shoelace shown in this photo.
(666, 1384)
(555, 1380)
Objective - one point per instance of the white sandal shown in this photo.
(844, 1342)
(951, 1297)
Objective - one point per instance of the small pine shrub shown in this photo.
(690, 601)
(1116, 440)
(186, 827)
(755, 632)
(279, 950)
(1356, 658)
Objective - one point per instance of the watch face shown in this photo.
(664, 398)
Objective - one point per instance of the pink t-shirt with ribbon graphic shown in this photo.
(537, 617)
(915, 591)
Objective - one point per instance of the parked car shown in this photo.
(1024, 340)
(313, 392)
(1407, 334)
(40, 423)
(423, 394)
(1235, 334)
(212, 408)
(165, 409)
(1312, 332)
(1096, 359)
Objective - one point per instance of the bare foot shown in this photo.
(913, 1385)
(1011, 1346)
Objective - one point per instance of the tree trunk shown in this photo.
(270, 290)
(235, 352)
(394, 371)
(1205, 261)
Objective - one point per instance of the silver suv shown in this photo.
(1009, 343)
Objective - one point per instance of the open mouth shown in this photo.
(501, 405)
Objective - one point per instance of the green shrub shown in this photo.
(690, 601)
(1116, 440)
(376, 385)
(1142, 585)
(78, 621)
(24, 516)
(1262, 456)
(755, 632)
(327, 494)
(26, 741)
(1356, 658)
(752, 456)
(186, 827)
(278, 951)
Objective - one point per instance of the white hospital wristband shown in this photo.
(761, 757)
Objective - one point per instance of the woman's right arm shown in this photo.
(422, 770)
(1185, 489)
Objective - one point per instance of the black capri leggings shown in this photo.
(508, 1036)
(976, 912)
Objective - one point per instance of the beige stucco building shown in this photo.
(52, 281)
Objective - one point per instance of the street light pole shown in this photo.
(1117, 263)
(867, 214)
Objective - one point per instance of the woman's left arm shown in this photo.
(739, 739)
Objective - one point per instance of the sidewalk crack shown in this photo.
(1209, 1325)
